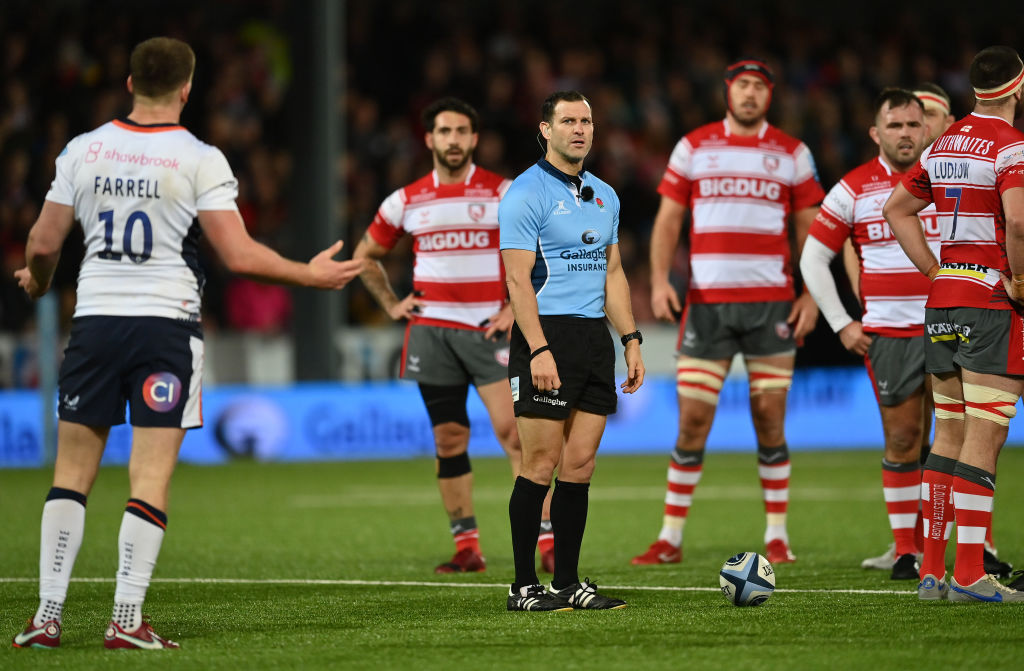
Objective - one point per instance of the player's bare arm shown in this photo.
(804, 315)
(900, 211)
(620, 313)
(668, 223)
(518, 266)
(376, 280)
(42, 252)
(241, 254)
(1013, 209)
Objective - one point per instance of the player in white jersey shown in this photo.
(748, 186)
(889, 334)
(974, 174)
(143, 188)
(458, 315)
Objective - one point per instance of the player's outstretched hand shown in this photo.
(27, 282)
(634, 369)
(1014, 289)
(803, 317)
(854, 339)
(500, 323)
(331, 274)
(665, 301)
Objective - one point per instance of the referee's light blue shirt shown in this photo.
(542, 213)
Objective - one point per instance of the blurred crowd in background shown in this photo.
(653, 71)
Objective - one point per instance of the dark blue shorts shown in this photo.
(152, 363)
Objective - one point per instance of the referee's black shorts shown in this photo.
(585, 357)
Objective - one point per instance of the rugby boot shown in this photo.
(547, 560)
(535, 598)
(583, 596)
(984, 589)
(906, 568)
(466, 560)
(883, 562)
(660, 552)
(143, 638)
(46, 636)
(776, 551)
(994, 565)
(932, 589)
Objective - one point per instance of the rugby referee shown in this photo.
(559, 242)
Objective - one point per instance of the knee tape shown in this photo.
(453, 467)
(948, 408)
(446, 403)
(764, 377)
(700, 379)
(994, 405)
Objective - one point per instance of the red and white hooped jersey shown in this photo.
(964, 173)
(137, 190)
(741, 191)
(892, 289)
(455, 228)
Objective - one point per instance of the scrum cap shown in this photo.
(750, 66)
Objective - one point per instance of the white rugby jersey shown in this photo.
(964, 173)
(740, 191)
(455, 226)
(136, 190)
(892, 289)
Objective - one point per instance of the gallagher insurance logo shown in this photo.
(162, 391)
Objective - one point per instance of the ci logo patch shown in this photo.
(590, 237)
(162, 391)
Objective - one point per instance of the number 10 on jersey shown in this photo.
(107, 217)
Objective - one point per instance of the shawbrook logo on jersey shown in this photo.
(141, 159)
(594, 259)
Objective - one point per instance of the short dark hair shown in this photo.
(547, 110)
(934, 89)
(160, 65)
(994, 67)
(896, 97)
(449, 104)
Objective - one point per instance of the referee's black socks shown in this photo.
(568, 520)
(524, 513)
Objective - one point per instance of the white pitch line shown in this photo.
(419, 583)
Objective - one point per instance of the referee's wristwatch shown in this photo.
(635, 335)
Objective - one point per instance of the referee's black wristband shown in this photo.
(539, 350)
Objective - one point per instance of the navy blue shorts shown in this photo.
(152, 363)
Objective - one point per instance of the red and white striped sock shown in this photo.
(973, 493)
(546, 538)
(937, 513)
(465, 533)
(901, 486)
(684, 471)
(774, 469)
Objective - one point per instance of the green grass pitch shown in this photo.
(303, 566)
